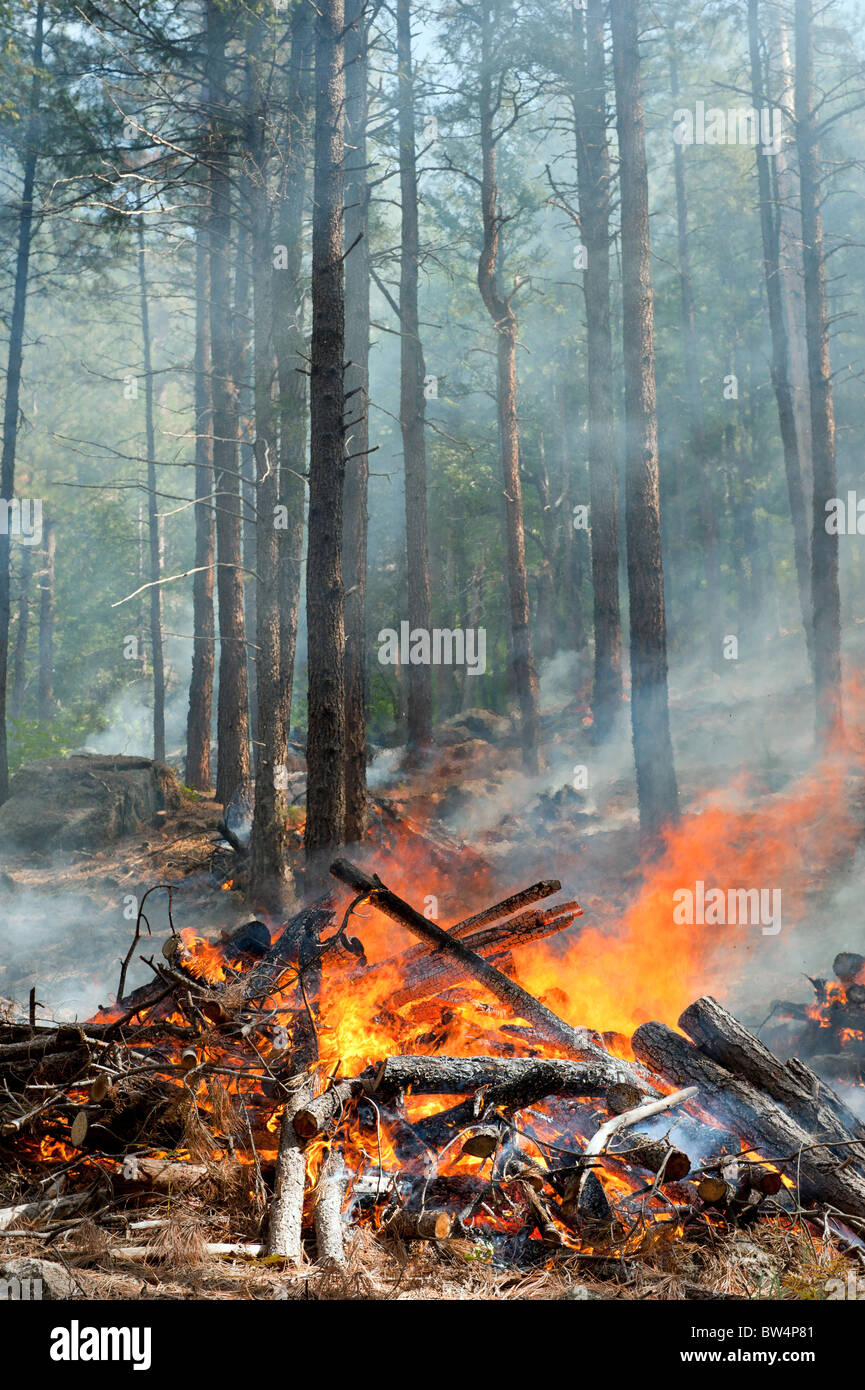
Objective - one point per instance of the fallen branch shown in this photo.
(577, 1042)
(327, 1211)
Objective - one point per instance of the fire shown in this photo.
(610, 976)
(645, 965)
(202, 958)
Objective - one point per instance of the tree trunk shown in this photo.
(198, 769)
(291, 349)
(503, 317)
(356, 240)
(769, 226)
(242, 375)
(412, 399)
(790, 254)
(153, 526)
(825, 595)
(45, 709)
(232, 770)
(269, 879)
(19, 664)
(13, 373)
(699, 451)
(653, 752)
(545, 643)
(593, 174)
(325, 600)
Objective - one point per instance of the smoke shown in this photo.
(68, 945)
(129, 712)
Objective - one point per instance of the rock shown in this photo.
(47, 1280)
(474, 723)
(581, 1293)
(84, 802)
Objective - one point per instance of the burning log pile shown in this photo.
(829, 1033)
(225, 1076)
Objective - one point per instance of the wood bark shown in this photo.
(535, 892)
(657, 790)
(419, 1225)
(232, 771)
(242, 367)
(593, 174)
(545, 577)
(357, 281)
(770, 223)
(13, 370)
(19, 660)
(45, 697)
(269, 877)
(428, 973)
(325, 599)
(504, 319)
(327, 1211)
(790, 245)
(154, 529)
(290, 345)
(810, 1101)
(698, 445)
(825, 593)
(285, 1231)
(311, 1119)
(642, 1151)
(198, 771)
(440, 1075)
(727, 1099)
(412, 399)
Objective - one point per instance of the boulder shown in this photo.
(84, 802)
(34, 1280)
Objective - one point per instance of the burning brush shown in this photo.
(295, 1071)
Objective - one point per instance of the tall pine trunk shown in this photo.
(45, 705)
(657, 791)
(699, 451)
(325, 599)
(290, 347)
(153, 525)
(825, 594)
(501, 312)
(356, 241)
(790, 443)
(13, 372)
(593, 175)
(198, 768)
(790, 256)
(232, 771)
(412, 399)
(19, 662)
(242, 372)
(269, 880)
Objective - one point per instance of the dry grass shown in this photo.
(773, 1260)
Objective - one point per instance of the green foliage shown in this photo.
(30, 739)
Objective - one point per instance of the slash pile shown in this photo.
(223, 1076)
